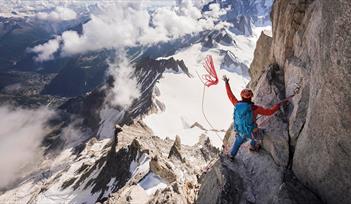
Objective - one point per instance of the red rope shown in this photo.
(208, 80)
(211, 78)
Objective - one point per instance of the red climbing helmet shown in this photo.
(246, 94)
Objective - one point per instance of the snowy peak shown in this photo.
(222, 37)
(258, 10)
(244, 14)
(231, 63)
(242, 25)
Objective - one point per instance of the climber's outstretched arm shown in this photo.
(230, 94)
(267, 111)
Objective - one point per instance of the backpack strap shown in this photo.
(249, 102)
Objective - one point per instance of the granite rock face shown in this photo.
(251, 178)
(325, 141)
(270, 90)
(263, 57)
(311, 48)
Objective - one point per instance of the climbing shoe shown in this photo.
(255, 148)
(231, 158)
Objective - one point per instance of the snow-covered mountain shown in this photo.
(162, 143)
(244, 13)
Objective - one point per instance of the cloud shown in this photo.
(73, 135)
(125, 88)
(47, 50)
(21, 134)
(124, 25)
(115, 28)
(59, 14)
(197, 3)
(215, 10)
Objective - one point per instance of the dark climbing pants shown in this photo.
(239, 140)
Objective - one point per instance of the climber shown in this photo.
(244, 123)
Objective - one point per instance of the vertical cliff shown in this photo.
(311, 47)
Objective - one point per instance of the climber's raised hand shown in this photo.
(225, 79)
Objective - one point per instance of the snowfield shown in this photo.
(151, 183)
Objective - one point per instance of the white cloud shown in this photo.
(122, 25)
(21, 134)
(125, 88)
(115, 28)
(215, 11)
(198, 3)
(47, 50)
(72, 134)
(59, 14)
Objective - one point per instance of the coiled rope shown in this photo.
(208, 80)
